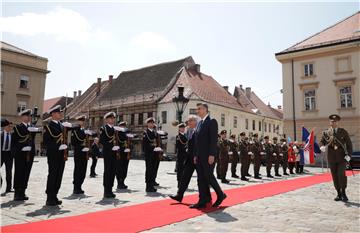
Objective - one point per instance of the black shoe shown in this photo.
(198, 206)
(109, 195)
(278, 175)
(177, 197)
(270, 176)
(25, 198)
(58, 202)
(235, 176)
(77, 192)
(51, 203)
(122, 186)
(156, 184)
(18, 198)
(248, 175)
(219, 200)
(244, 178)
(225, 181)
(286, 174)
(92, 176)
(337, 198)
(150, 190)
(9, 191)
(258, 177)
(345, 198)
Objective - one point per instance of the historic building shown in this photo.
(321, 77)
(148, 92)
(52, 102)
(23, 76)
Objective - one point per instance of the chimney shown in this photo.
(79, 93)
(279, 107)
(269, 104)
(248, 92)
(110, 79)
(197, 68)
(226, 88)
(74, 97)
(98, 85)
(241, 87)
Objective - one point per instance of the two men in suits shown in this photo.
(6, 154)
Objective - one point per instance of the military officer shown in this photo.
(284, 155)
(223, 156)
(110, 150)
(95, 154)
(244, 156)
(256, 149)
(181, 147)
(277, 158)
(6, 155)
(81, 150)
(234, 155)
(122, 164)
(23, 146)
(339, 153)
(56, 146)
(268, 149)
(151, 156)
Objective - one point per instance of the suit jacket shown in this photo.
(191, 147)
(107, 139)
(95, 151)
(52, 138)
(206, 138)
(20, 138)
(78, 140)
(149, 142)
(336, 152)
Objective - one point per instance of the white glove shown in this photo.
(127, 150)
(85, 149)
(251, 142)
(230, 140)
(161, 132)
(67, 124)
(250, 153)
(230, 153)
(284, 143)
(118, 128)
(26, 148)
(323, 148)
(281, 154)
(274, 154)
(63, 147)
(262, 153)
(158, 149)
(115, 148)
(33, 129)
(130, 135)
(88, 132)
(347, 158)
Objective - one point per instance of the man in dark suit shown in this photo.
(189, 166)
(95, 154)
(180, 147)
(339, 153)
(206, 137)
(6, 155)
(268, 149)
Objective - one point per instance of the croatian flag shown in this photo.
(309, 149)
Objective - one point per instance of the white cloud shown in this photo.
(152, 40)
(63, 24)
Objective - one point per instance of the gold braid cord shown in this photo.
(112, 138)
(150, 140)
(24, 138)
(59, 137)
(77, 137)
(183, 143)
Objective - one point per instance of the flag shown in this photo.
(305, 135)
(309, 149)
(289, 139)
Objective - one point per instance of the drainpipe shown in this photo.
(293, 97)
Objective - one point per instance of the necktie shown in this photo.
(7, 140)
(199, 126)
(190, 134)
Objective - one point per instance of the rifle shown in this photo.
(116, 143)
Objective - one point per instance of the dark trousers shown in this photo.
(277, 164)
(284, 164)
(269, 161)
(22, 170)
(150, 164)
(56, 166)
(80, 161)
(109, 170)
(122, 165)
(299, 167)
(257, 163)
(223, 165)
(291, 167)
(157, 163)
(180, 168)
(7, 158)
(93, 165)
(234, 162)
(245, 163)
(338, 174)
(189, 169)
(206, 179)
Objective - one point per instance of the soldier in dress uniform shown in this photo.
(181, 147)
(277, 157)
(291, 158)
(123, 163)
(223, 156)
(95, 154)
(23, 147)
(6, 154)
(244, 156)
(256, 149)
(79, 143)
(110, 150)
(268, 148)
(234, 155)
(53, 139)
(284, 155)
(151, 156)
(339, 154)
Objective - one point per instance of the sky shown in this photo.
(234, 42)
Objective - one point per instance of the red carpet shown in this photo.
(149, 215)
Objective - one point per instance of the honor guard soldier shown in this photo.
(81, 150)
(24, 151)
(284, 155)
(122, 164)
(291, 157)
(339, 154)
(276, 154)
(256, 149)
(95, 154)
(181, 154)
(6, 154)
(223, 156)
(56, 152)
(268, 148)
(110, 150)
(151, 157)
(244, 157)
(234, 155)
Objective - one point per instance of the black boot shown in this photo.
(338, 197)
(177, 197)
(343, 195)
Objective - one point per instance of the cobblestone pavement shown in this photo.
(308, 209)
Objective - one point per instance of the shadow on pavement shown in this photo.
(11, 204)
(76, 197)
(127, 191)
(47, 210)
(221, 216)
(350, 204)
(156, 194)
(111, 201)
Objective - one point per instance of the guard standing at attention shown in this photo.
(181, 155)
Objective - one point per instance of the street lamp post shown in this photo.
(180, 103)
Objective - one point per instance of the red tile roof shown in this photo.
(344, 31)
(49, 103)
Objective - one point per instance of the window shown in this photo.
(343, 65)
(192, 111)
(308, 70)
(253, 125)
(235, 122)
(309, 100)
(149, 114)
(265, 127)
(2, 78)
(269, 128)
(246, 124)
(140, 119)
(24, 81)
(21, 106)
(273, 128)
(345, 97)
(164, 117)
(223, 120)
(132, 119)
(259, 125)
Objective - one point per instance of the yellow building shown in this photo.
(321, 77)
(23, 76)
